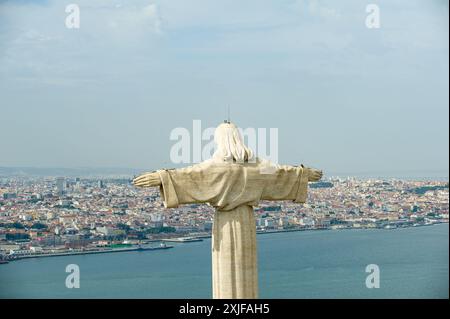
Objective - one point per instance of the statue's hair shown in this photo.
(230, 144)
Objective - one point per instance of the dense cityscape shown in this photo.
(50, 216)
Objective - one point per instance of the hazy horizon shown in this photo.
(107, 172)
(344, 98)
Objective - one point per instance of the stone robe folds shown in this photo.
(233, 189)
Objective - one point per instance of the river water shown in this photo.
(413, 263)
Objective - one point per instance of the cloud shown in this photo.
(36, 46)
(33, 37)
(132, 20)
(317, 8)
(25, 2)
(151, 12)
(134, 37)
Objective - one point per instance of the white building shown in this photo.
(107, 231)
(306, 221)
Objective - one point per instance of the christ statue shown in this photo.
(233, 181)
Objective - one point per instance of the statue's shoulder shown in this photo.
(262, 162)
(207, 165)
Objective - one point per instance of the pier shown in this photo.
(12, 257)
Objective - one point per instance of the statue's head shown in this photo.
(230, 144)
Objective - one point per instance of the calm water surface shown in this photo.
(414, 263)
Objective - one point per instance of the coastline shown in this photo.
(190, 239)
(88, 252)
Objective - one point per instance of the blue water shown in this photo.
(413, 263)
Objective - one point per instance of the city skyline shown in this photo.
(129, 172)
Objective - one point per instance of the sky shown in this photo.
(344, 97)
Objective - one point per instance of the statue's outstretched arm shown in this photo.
(314, 175)
(147, 180)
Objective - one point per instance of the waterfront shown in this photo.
(43, 216)
(75, 252)
(311, 264)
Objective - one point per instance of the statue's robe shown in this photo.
(233, 189)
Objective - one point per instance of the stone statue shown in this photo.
(232, 181)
